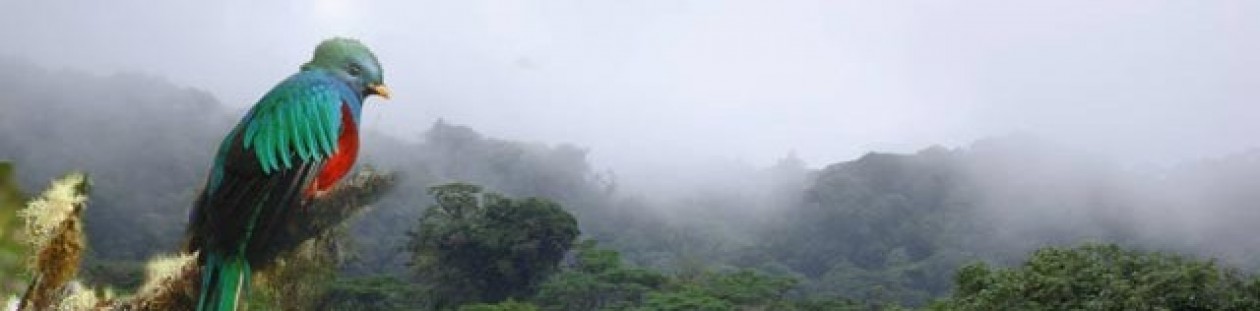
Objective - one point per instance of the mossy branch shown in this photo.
(54, 228)
(54, 231)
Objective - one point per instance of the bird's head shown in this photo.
(352, 63)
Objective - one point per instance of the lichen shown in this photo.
(46, 214)
(54, 231)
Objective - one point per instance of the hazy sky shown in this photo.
(648, 82)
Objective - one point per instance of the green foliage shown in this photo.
(372, 293)
(11, 196)
(832, 304)
(747, 287)
(597, 281)
(741, 290)
(474, 247)
(12, 249)
(686, 300)
(1103, 277)
(509, 305)
(882, 228)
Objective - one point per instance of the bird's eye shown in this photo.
(354, 70)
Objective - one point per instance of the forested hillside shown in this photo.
(884, 229)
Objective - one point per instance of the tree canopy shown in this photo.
(475, 247)
(1103, 277)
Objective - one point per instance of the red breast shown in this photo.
(342, 159)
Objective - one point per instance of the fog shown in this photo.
(794, 133)
(647, 83)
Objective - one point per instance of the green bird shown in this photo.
(294, 144)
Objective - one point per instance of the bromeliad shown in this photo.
(294, 144)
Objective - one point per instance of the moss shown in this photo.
(53, 229)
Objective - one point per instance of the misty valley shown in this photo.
(473, 222)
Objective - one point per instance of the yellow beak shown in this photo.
(380, 90)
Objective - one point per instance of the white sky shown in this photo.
(644, 83)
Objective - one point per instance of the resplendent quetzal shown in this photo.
(296, 142)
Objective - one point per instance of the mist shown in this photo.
(810, 139)
(1152, 82)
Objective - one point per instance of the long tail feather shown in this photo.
(223, 283)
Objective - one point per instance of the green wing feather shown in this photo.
(299, 118)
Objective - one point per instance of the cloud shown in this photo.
(647, 82)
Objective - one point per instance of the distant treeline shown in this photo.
(882, 228)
